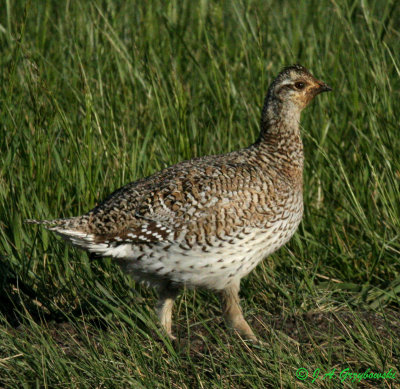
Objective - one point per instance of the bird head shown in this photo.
(296, 86)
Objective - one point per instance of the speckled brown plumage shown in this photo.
(209, 221)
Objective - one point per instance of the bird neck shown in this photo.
(280, 138)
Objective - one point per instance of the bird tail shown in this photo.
(75, 231)
(55, 224)
(72, 229)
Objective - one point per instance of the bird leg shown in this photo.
(232, 312)
(165, 303)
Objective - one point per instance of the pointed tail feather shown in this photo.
(52, 224)
(73, 229)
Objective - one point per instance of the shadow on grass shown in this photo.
(326, 328)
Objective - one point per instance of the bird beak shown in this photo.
(322, 87)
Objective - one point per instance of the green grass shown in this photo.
(95, 94)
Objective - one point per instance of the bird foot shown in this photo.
(250, 339)
(256, 342)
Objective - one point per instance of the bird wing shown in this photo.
(194, 196)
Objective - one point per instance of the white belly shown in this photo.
(213, 266)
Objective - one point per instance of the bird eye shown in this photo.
(299, 85)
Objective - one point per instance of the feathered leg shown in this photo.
(233, 313)
(165, 303)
